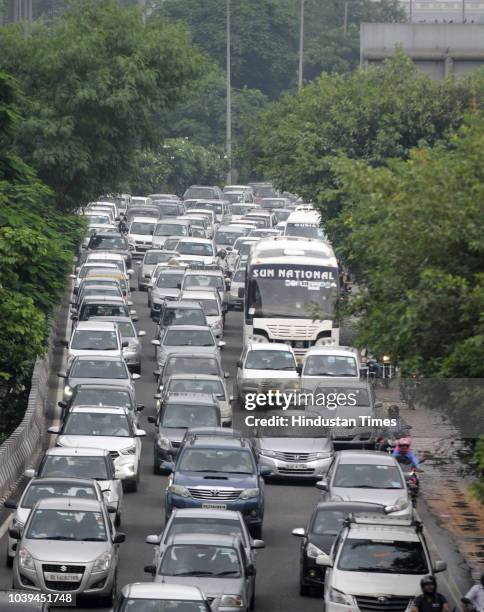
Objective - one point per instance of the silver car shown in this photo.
(41, 488)
(155, 596)
(150, 260)
(167, 287)
(367, 476)
(68, 545)
(215, 563)
(132, 348)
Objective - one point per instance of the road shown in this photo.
(287, 505)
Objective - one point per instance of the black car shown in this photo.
(100, 395)
(324, 525)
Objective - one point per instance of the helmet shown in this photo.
(394, 411)
(405, 442)
(222, 253)
(426, 580)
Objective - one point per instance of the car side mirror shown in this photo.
(124, 344)
(14, 534)
(299, 368)
(324, 560)
(73, 276)
(10, 504)
(74, 317)
(168, 466)
(221, 344)
(140, 407)
(135, 376)
(134, 318)
(153, 539)
(53, 430)
(226, 375)
(29, 473)
(119, 538)
(440, 566)
(299, 532)
(250, 570)
(265, 470)
(141, 333)
(62, 404)
(150, 569)
(140, 433)
(257, 544)
(62, 374)
(152, 419)
(156, 342)
(322, 485)
(239, 363)
(64, 343)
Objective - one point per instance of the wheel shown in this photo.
(9, 561)
(117, 520)
(252, 600)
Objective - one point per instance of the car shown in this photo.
(203, 192)
(199, 520)
(200, 383)
(170, 227)
(85, 268)
(364, 476)
(241, 251)
(137, 201)
(183, 312)
(195, 480)
(281, 214)
(140, 234)
(179, 412)
(268, 217)
(237, 287)
(218, 563)
(200, 221)
(89, 287)
(78, 462)
(142, 212)
(91, 369)
(112, 429)
(238, 196)
(263, 367)
(68, 545)
(173, 261)
(263, 190)
(329, 362)
(196, 249)
(226, 235)
(165, 196)
(199, 339)
(374, 558)
(103, 275)
(168, 287)
(190, 363)
(41, 488)
(199, 278)
(157, 596)
(219, 207)
(132, 349)
(171, 242)
(96, 228)
(104, 257)
(93, 337)
(326, 522)
(238, 209)
(272, 203)
(209, 300)
(150, 260)
(103, 306)
(108, 241)
(295, 451)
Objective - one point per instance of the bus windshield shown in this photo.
(292, 291)
(305, 230)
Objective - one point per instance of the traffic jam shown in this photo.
(208, 390)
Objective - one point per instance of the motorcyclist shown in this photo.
(474, 598)
(430, 600)
(222, 260)
(123, 224)
(404, 453)
(388, 434)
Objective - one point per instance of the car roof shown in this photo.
(104, 255)
(380, 531)
(269, 346)
(332, 350)
(98, 358)
(210, 539)
(183, 304)
(188, 327)
(112, 234)
(95, 325)
(349, 383)
(52, 480)
(98, 409)
(231, 442)
(69, 451)
(204, 513)
(175, 221)
(208, 293)
(144, 219)
(365, 457)
(195, 239)
(195, 377)
(103, 386)
(111, 320)
(110, 299)
(180, 397)
(161, 591)
(68, 503)
(97, 264)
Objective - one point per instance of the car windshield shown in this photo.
(67, 525)
(190, 385)
(367, 476)
(142, 227)
(191, 365)
(177, 337)
(216, 526)
(330, 365)
(98, 219)
(171, 229)
(102, 242)
(169, 280)
(96, 424)
(183, 316)
(202, 193)
(383, 556)
(204, 280)
(127, 329)
(169, 210)
(161, 605)
(38, 491)
(88, 340)
(75, 466)
(216, 460)
(271, 203)
(102, 397)
(305, 230)
(85, 368)
(103, 310)
(200, 560)
(327, 522)
(358, 395)
(233, 198)
(152, 259)
(181, 416)
(227, 238)
(210, 307)
(195, 248)
(270, 360)
(239, 276)
(111, 291)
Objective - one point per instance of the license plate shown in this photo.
(296, 466)
(214, 506)
(62, 577)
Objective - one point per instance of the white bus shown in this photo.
(305, 223)
(287, 279)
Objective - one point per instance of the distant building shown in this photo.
(444, 11)
(438, 49)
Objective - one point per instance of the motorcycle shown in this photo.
(412, 478)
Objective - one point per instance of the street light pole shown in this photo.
(301, 47)
(228, 122)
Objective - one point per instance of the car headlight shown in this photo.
(163, 442)
(267, 453)
(67, 391)
(339, 597)
(25, 559)
(102, 563)
(322, 455)
(125, 468)
(178, 490)
(313, 551)
(400, 504)
(234, 601)
(131, 450)
(249, 493)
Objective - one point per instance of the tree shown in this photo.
(94, 82)
(265, 36)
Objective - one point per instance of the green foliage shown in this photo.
(477, 488)
(176, 164)
(265, 36)
(94, 82)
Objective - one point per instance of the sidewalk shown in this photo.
(444, 483)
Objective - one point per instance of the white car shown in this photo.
(103, 257)
(335, 362)
(112, 429)
(95, 338)
(140, 234)
(210, 301)
(200, 250)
